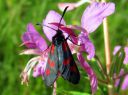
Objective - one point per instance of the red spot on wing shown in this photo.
(52, 49)
(73, 68)
(51, 63)
(47, 72)
(65, 46)
(67, 61)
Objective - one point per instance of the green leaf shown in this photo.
(119, 86)
(94, 65)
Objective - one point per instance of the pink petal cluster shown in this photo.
(124, 84)
(117, 48)
(36, 45)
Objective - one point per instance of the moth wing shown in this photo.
(68, 67)
(51, 71)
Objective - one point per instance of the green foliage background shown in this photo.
(16, 14)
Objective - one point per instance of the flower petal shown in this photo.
(125, 83)
(116, 49)
(31, 51)
(94, 15)
(39, 69)
(117, 81)
(41, 44)
(27, 40)
(52, 16)
(126, 55)
(76, 27)
(27, 36)
(89, 71)
(32, 39)
(74, 48)
(63, 5)
(26, 72)
(87, 45)
(72, 5)
(30, 28)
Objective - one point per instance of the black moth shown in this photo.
(60, 60)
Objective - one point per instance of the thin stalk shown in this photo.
(103, 81)
(107, 45)
(101, 67)
(54, 88)
(107, 51)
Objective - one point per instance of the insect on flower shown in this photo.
(57, 59)
(60, 60)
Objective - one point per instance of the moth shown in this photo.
(60, 60)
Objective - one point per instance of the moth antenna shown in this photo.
(49, 27)
(59, 21)
(62, 15)
(46, 26)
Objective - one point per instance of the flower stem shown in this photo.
(103, 81)
(107, 45)
(54, 88)
(110, 89)
(107, 51)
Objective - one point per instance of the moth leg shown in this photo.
(68, 38)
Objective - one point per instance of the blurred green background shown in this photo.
(16, 14)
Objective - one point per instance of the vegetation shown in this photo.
(16, 14)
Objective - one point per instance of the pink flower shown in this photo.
(36, 45)
(94, 15)
(124, 84)
(89, 71)
(117, 48)
(117, 81)
(126, 55)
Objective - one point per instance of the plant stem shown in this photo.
(107, 51)
(54, 88)
(103, 81)
(110, 89)
(107, 45)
